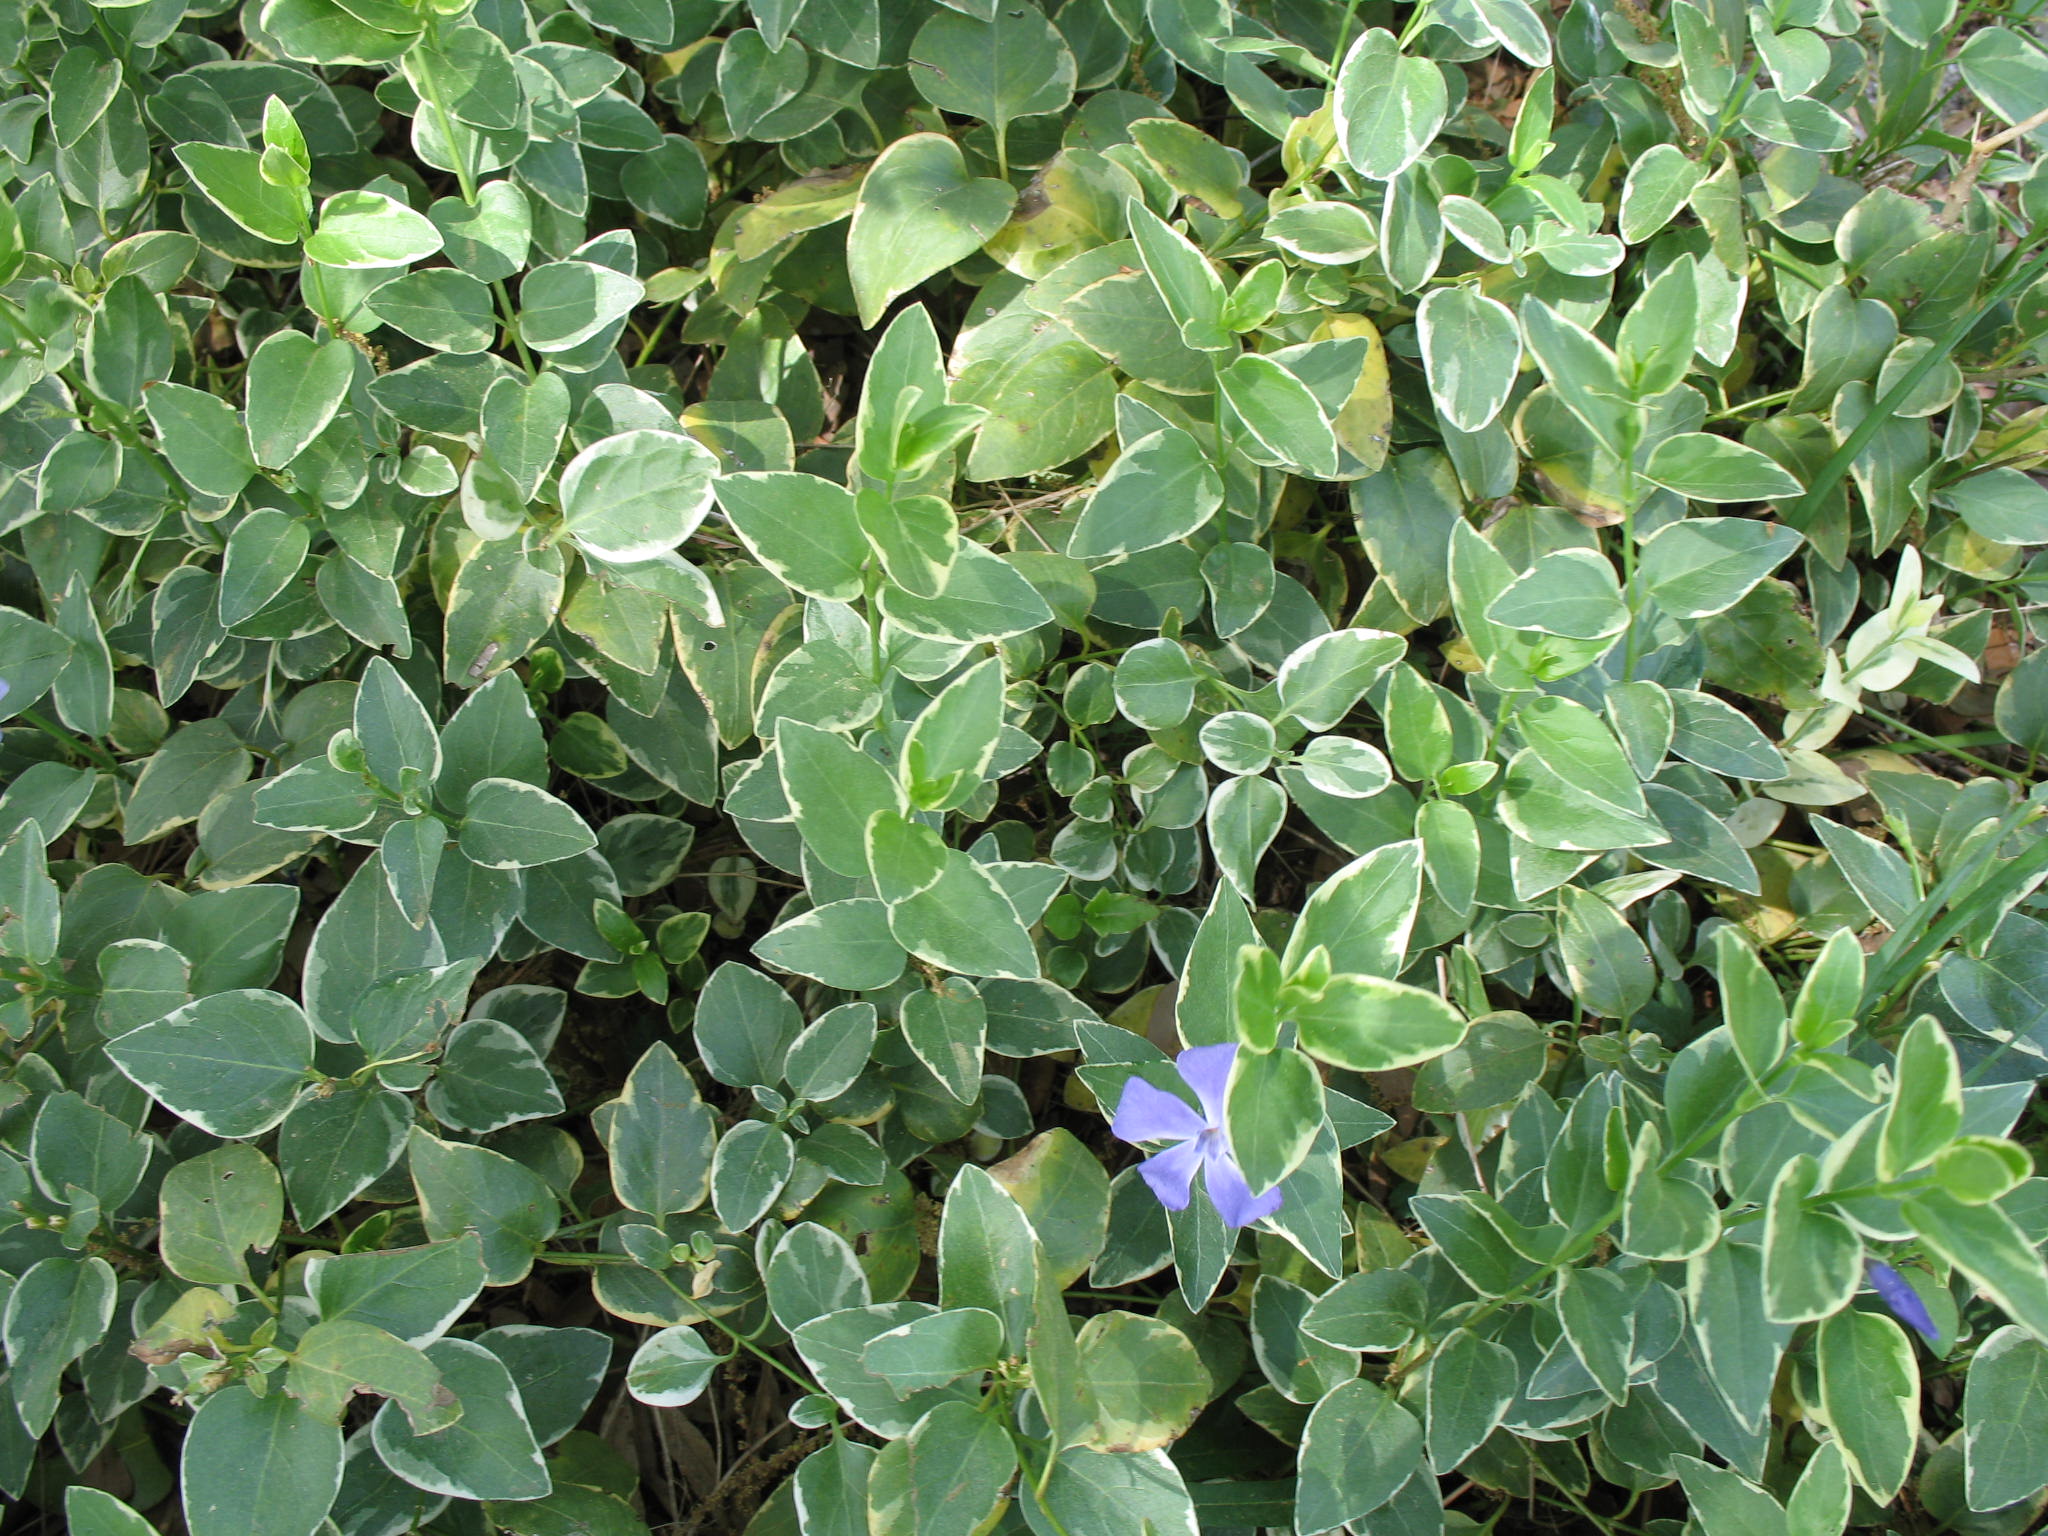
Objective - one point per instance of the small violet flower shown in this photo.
(1903, 1301)
(1146, 1113)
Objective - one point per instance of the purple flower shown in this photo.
(1146, 1113)
(1899, 1296)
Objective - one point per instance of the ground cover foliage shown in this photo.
(677, 673)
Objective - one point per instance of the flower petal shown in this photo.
(1897, 1293)
(1232, 1196)
(1146, 1113)
(1206, 1069)
(1171, 1174)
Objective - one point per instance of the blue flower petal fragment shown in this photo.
(1146, 1113)
(1898, 1295)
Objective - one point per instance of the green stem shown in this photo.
(508, 317)
(97, 754)
(463, 175)
(654, 336)
(1632, 646)
(1943, 744)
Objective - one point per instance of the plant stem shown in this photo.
(50, 728)
(1943, 744)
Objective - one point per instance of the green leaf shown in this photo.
(988, 1253)
(470, 73)
(490, 1077)
(1582, 370)
(359, 228)
(258, 1466)
(1472, 1383)
(1812, 1258)
(1103, 1491)
(1704, 565)
(56, 1311)
(833, 790)
(89, 1512)
(1370, 1024)
(844, 944)
(1726, 1501)
(917, 539)
(440, 307)
(985, 599)
(82, 1156)
(296, 385)
(415, 1293)
(202, 760)
(1193, 293)
(746, 1026)
(1471, 348)
(263, 556)
(128, 344)
(563, 304)
(1013, 63)
(1243, 818)
(658, 1134)
(1388, 109)
(489, 238)
(753, 1161)
(953, 741)
(1359, 1447)
(1704, 467)
(1870, 1391)
(230, 1063)
(672, 1368)
(1609, 968)
(638, 494)
(946, 1028)
(935, 1349)
(1987, 1245)
(823, 1061)
(1161, 488)
(508, 824)
(489, 1453)
(331, 1149)
(2006, 506)
(919, 211)
(335, 1361)
(1061, 1187)
(233, 180)
(1926, 1109)
(215, 1208)
(946, 1476)
(1660, 182)
(964, 923)
(1752, 1006)
(1147, 1381)
(1322, 680)
(1362, 914)
(465, 1188)
(1272, 1111)
(1573, 743)
(801, 528)
(202, 436)
(1572, 593)
(1282, 414)
(2005, 1407)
